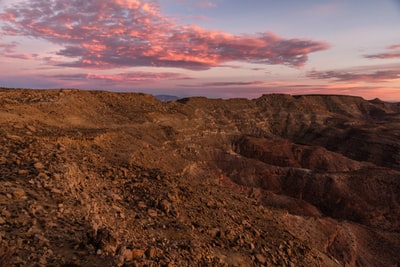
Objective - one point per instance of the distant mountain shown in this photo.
(165, 98)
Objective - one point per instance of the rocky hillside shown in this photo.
(121, 179)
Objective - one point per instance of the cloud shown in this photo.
(326, 9)
(217, 84)
(204, 4)
(138, 76)
(387, 55)
(396, 46)
(124, 33)
(384, 55)
(224, 84)
(8, 50)
(377, 76)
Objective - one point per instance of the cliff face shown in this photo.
(107, 179)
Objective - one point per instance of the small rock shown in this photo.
(18, 126)
(260, 258)
(165, 206)
(210, 204)
(41, 240)
(43, 261)
(23, 172)
(19, 193)
(256, 233)
(14, 137)
(120, 260)
(56, 191)
(252, 247)
(215, 232)
(142, 205)
(3, 160)
(38, 165)
(106, 240)
(2, 221)
(6, 213)
(151, 252)
(42, 176)
(137, 253)
(152, 213)
(113, 196)
(245, 223)
(127, 255)
(31, 128)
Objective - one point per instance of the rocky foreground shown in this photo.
(112, 179)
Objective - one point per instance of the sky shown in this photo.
(213, 48)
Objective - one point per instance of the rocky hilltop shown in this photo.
(122, 179)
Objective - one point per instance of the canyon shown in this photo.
(96, 178)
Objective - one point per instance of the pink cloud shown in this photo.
(222, 84)
(383, 56)
(386, 55)
(123, 33)
(138, 76)
(377, 76)
(198, 17)
(396, 46)
(8, 50)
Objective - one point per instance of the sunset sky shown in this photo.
(214, 48)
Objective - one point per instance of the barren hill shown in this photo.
(93, 178)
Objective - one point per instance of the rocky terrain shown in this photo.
(121, 179)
